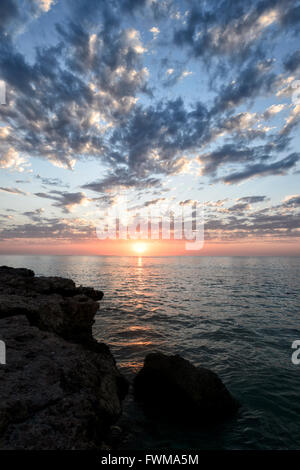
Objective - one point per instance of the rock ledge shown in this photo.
(60, 389)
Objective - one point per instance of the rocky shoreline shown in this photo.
(61, 389)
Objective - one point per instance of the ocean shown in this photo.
(235, 315)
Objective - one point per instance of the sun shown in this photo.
(139, 247)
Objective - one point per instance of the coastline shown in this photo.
(62, 388)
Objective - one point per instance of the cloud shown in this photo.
(239, 207)
(11, 160)
(253, 80)
(53, 229)
(50, 181)
(153, 202)
(8, 12)
(280, 167)
(232, 29)
(229, 153)
(55, 102)
(65, 201)
(45, 5)
(293, 201)
(155, 31)
(273, 110)
(187, 202)
(154, 138)
(121, 180)
(13, 191)
(89, 93)
(292, 63)
(34, 215)
(175, 76)
(15, 15)
(252, 199)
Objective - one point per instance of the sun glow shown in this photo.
(139, 247)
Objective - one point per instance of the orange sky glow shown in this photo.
(253, 247)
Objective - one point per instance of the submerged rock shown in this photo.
(172, 386)
(60, 389)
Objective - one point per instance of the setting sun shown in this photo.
(140, 247)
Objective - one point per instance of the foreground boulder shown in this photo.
(60, 389)
(172, 386)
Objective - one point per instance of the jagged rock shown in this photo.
(172, 386)
(51, 303)
(59, 389)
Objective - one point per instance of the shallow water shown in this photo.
(235, 315)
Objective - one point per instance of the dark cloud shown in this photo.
(16, 14)
(66, 99)
(292, 63)
(64, 200)
(239, 207)
(252, 199)
(233, 29)
(155, 138)
(232, 153)
(8, 12)
(280, 167)
(34, 215)
(153, 202)
(52, 229)
(253, 80)
(119, 180)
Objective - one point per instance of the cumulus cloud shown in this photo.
(11, 160)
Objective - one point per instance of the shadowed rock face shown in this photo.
(51, 303)
(59, 389)
(172, 386)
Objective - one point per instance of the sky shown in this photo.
(165, 103)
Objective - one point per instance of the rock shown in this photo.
(172, 386)
(51, 303)
(60, 389)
